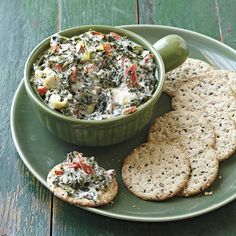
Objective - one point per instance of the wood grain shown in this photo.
(98, 12)
(226, 20)
(24, 203)
(214, 18)
(70, 220)
(218, 223)
(198, 15)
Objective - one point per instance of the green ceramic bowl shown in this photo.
(172, 49)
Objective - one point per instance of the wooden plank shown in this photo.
(25, 205)
(183, 14)
(70, 220)
(88, 12)
(217, 223)
(226, 16)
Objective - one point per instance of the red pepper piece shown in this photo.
(133, 74)
(58, 67)
(59, 172)
(129, 110)
(79, 47)
(148, 58)
(88, 169)
(115, 36)
(74, 74)
(81, 165)
(98, 33)
(107, 47)
(42, 90)
(54, 47)
(75, 165)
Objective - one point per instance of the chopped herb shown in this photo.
(82, 177)
(95, 76)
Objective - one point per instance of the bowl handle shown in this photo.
(173, 50)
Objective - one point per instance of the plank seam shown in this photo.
(58, 15)
(148, 229)
(137, 12)
(219, 21)
(51, 216)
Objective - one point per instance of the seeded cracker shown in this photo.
(216, 101)
(228, 76)
(205, 94)
(225, 131)
(189, 69)
(176, 124)
(204, 165)
(156, 171)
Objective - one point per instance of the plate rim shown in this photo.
(100, 211)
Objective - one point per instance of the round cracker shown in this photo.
(228, 76)
(225, 131)
(205, 94)
(156, 171)
(105, 197)
(204, 165)
(177, 124)
(188, 70)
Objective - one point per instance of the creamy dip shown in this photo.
(82, 177)
(95, 76)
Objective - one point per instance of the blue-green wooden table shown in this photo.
(28, 208)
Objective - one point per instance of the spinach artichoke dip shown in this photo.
(81, 177)
(95, 76)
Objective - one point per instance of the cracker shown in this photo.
(176, 124)
(204, 165)
(188, 70)
(225, 130)
(228, 76)
(205, 93)
(105, 196)
(156, 171)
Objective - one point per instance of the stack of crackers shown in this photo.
(184, 147)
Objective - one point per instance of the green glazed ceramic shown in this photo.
(40, 150)
(173, 50)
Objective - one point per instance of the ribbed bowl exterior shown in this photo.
(94, 135)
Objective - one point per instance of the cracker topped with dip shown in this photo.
(81, 181)
(95, 76)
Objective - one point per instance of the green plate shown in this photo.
(40, 150)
